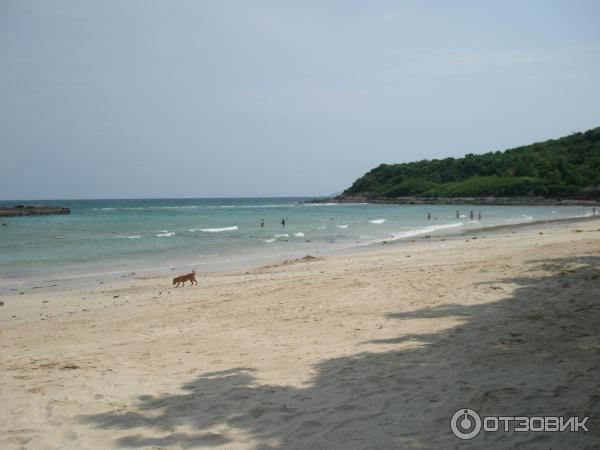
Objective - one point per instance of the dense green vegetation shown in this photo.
(568, 167)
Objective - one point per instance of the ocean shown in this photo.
(159, 236)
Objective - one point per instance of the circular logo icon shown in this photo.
(465, 424)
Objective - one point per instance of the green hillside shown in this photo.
(568, 167)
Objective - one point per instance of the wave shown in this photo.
(424, 230)
(268, 241)
(165, 233)
(321, 228)
(526, 217)
(281, 235)
(321, 204)
(299, 234)
(214, 230)
(377, 221)
(342, 226)
(137, 236)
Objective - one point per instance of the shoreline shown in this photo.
(69, 281)
(475, 201)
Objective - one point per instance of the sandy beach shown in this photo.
(374, 349)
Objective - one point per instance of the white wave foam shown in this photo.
(268, 241)
(424, 230)
(320, 204)
(321, 228)
(299, 234)
(526, 217)
(377, 221)
(281, 235)
(137, 236)
(165, 233)
(342, 226)
(214, 230)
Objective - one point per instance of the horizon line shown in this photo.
(164, 198)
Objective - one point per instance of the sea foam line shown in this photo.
(418, 231)
(214, 230)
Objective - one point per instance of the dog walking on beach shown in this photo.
(191, 277)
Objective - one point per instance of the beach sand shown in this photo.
(374, 349)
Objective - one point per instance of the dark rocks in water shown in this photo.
(31, 210)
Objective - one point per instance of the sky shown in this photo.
(173, 98)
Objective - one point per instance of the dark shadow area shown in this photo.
(535, 352)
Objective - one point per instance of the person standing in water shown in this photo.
(457, 214)
(428, 215)
(283, 222)
(472, 215)
(479, 216)
(262, 223)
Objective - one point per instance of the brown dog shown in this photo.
(191, 277)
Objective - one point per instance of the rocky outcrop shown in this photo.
(32, 210)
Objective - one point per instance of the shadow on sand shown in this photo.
(535, 352)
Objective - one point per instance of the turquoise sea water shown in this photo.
(117, 236)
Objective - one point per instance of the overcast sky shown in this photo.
(110, 99)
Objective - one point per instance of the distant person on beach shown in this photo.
(428, 215)
(472, 215)
(283, 222)
(457, 214)
(262, 222)
(479, 215)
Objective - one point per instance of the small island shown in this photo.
(32, 210)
